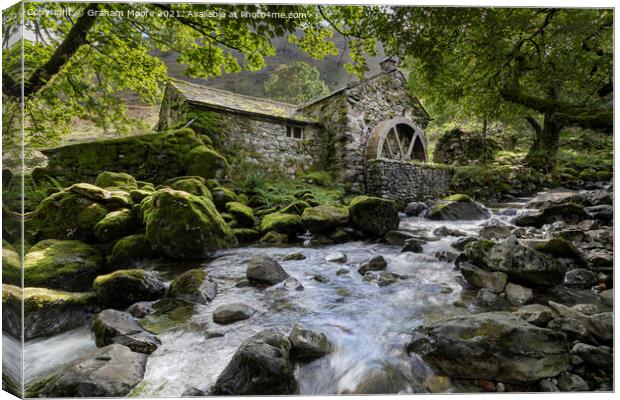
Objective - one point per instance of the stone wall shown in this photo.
(405, 182)
(353, 113)
(255, 144)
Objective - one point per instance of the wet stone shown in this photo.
(294, 257)
(376, 263)
(229, 313)
(337, 257)
(293, 284)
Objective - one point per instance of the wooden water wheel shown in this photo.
(397, 139)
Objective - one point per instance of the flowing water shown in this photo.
(369, 325)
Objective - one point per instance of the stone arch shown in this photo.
(397, 139)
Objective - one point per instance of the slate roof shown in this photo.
(207, 96)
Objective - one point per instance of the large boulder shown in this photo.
(193, 286)
(113, 326)
(124, 287)
(263, 269)
(497, 346)
(261, 366)
(195, 185)
(494, 281)
(11, 264)
(458, 207)
(115, 225)
(288, 224)
(111, 371)
(119, 180)
(46, 312)
(59, 264)
(521, 263)
(571, 213)
(324, 218)
(242, 213)
(66, 215)
(182, 225)
(555, 197)
(206, 162)
(373, 215)
(130, 250)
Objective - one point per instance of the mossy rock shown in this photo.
(124, 287)
(191, 184)
(146, 186)
(11, 264)
(137, 195)
(130, 250)
(222, 196)
(115, 225)
(182, 225)
(193, 286)
(373, 215)
(459, 198)
(112, 198)
(241, 213)
(206, 162)
(458, 207)
(274, 238)
(46, 312)
(60, 264)
(296, 207)
(65, 215)
(289, 224)
(560, 248)
(302, 193)
(246, 235)
(264, 211)
(119, 180)
(324, 218)
(571, 213)
(169, 314)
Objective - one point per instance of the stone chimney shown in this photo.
(388, 64)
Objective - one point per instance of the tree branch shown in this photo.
(532, 121)
(67, 49)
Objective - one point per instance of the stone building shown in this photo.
(376, 118)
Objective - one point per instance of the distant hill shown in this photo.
(252, 82)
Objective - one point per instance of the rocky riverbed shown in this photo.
(449, 296)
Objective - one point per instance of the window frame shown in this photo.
(293, 130)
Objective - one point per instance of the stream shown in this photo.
(368, 325)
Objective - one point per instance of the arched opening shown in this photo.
(397, 139)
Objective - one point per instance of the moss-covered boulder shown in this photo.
(130, 250)
(168, 314)
(124, 287)
(571, 213)
(120, 180)
(11, 263)
(458, 207)
(274, 238)
(521, 263)
(246, 235)
(137, 195)
(206, 162)
(288, 224)
(115, 225)
(193, 286)
(60, 264)
(495, 345)
(46, 312)
(560, 248)
(222, 196)
(373, 215)
(182, 225)
(191, 184)
(65, 215)
(112, 198)
(324, 218)
(241, 213)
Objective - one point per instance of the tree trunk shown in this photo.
(542, 154)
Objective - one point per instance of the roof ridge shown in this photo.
(265, 99)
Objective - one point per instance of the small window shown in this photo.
(295, 132)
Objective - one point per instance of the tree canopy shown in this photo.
(295, 83)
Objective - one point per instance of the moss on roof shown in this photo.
(234, 102)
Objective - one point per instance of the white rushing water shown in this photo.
(368, 324)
